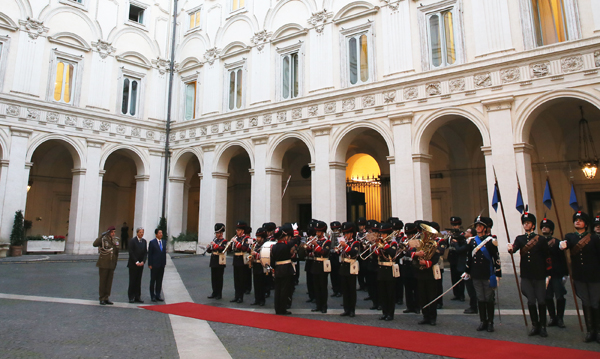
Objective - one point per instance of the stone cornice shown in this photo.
(143, 178)
(523, 147)
(157, 152)
(28, 165)
(176, 179)
(401, 118)
(208, 148)
(391, 159)
(499, 104)
(260, 140)
(321, 130)
(94, 143)
(334, 165)
(273, 171)
(487, 150)
(20, 132)
(4, 163)
(220, 175)
(422, 157)
(78, 171)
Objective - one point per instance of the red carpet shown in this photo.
(421, 342)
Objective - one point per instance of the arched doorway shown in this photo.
(121, 201)
(239, 186)
(457, 171)
(554, 153)
(184, 194)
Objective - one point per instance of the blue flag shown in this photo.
(520, 205)
(547, 196)
(573, 199)
(495, 200)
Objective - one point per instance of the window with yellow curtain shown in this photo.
(549, 21)
(63, 83)
(442, 41)
(237, 4)
(195, 19)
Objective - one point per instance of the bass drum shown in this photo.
(265, 253)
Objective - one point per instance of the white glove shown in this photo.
(562, 245)
(465, 276)
(509, 247)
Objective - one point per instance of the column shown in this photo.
(220, 198)
(206, 220)
(273, 195)
(3, 181)
(337, 173)
(140, 217)
(422, 186)
(18, 172)
(175, 212)
(401, 172)
(321, 188)
(525, 172)
(259, 197)
(503, 166)
(152, 205)
(76, 209)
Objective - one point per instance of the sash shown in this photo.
(532, 242)
(582, 243)
(486, 254)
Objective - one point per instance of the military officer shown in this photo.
(108, 254)
(457, 256)
(426, 282)
(470, 234)
(408, 272)
(259, 273)
(217, 261)
(270, 229)
(397, 226)
(239, 247)
(320, 249)
(385, 278)
(350, 249)
(281, 259)
(556, 286)
(334, 257)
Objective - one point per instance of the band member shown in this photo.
(270, 229)
(535, 263)
(457, 256)
(216, 249)
(397, 226)
(239, 247)
(585, 260)
(483, 269)
(247, 268)
(334, 257)
(361, 223)
(385, 252)
(556, 286)
(426, 282)
(259, 273)
(372, 267)
(350, 249)
(320, 249)
(442, 246)
(281, 259)
(408, 272)
(473, 302)
(310, 259)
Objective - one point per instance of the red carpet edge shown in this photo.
(421, 342)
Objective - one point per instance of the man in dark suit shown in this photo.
(138, 253)
(157, 260)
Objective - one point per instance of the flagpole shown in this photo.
(567, 256)
(512, 258)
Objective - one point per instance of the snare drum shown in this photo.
(265, 253)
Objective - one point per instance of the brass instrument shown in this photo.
(427, 243)
(372, 239)
(228, 244)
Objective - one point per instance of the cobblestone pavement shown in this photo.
(40, 329)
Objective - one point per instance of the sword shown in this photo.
(441, 295)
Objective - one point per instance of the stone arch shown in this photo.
(425, 128)
(525, 120)
(25, 8)
(180, 159)
(251, 21)
(3, 146)
(49, 12)
(140, 158)
(311, 6)
(114, 35)
(196, 36)
(353, 5)
(281, 144)
(75, 148)
(224, 154)
(344, 136)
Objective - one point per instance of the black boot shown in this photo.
(590, 336)
(490, 316)
(542, 310)
(560, 312)
(482, 316)
(535, 323)
(552, 312)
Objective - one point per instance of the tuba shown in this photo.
(427, 243)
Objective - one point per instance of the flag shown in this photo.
(520, 205)
(573, 199)
(496, 198)
(547, 196)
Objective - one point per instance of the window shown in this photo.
(79, 1)
(136, 13)
(194, 19)
(289, 76)
(549, 21)
(237, 4)
(190, 100)
(63, 83)
(131, 89)
(442, 40)
(358, 58)
(235, 89)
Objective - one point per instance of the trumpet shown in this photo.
(228, 244)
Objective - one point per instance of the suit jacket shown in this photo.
(157, 258)
(138, 252)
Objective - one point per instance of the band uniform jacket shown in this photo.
(585, 262)
(215, 247)
(352, 251)
(426, 272)
(157, 258)
(241, 246)
(282, 251)
(535, 261)
(320, 250)
(559, 262)
(478, 267)
(457, 253)
(441, 249)
(257, 267)
(108, 250)
(386, 254)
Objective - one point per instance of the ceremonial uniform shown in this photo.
(281, 260)
(321, 250)
(585, 261)
(556, 286)
(535, 266)
(372, 268)
(108, 250)
(308, 264)
(259, 274)
(349, 256)
(408, 272)
(397, 226)
(216, 249)
(334, 257)
(457, 257)
(441, 249)
(239, 248)
(428, 287)
(362, 272)
(385, 278)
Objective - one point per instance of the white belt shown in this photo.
(321, 259)
(239, 253)
(387, 264)
(283, 262)
(215, 254)
(349, 260)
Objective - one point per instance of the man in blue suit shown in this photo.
(157, 260)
